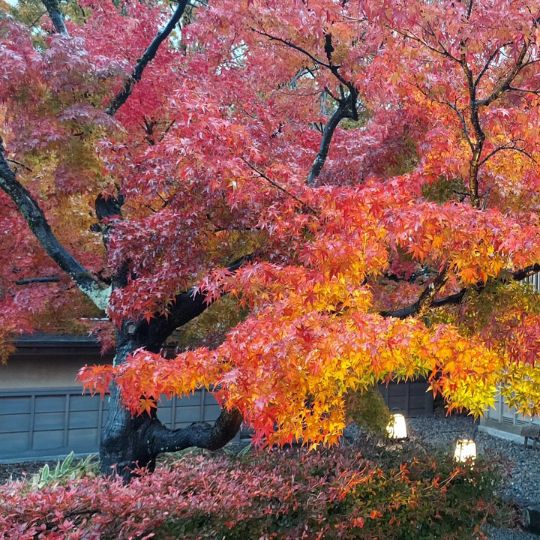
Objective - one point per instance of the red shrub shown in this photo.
(280, 494)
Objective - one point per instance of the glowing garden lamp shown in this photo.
(397, 427)
(465, 450)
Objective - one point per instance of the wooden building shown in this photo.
(43, 412)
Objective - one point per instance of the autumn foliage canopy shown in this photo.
(362, 176)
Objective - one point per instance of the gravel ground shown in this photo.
(16, 471)
(521, 483)
(509, 534)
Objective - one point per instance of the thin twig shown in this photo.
(20, 164)
(279, 186)
(46, 279)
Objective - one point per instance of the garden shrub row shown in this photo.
(287, 493)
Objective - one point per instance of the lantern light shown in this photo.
(465, 450)
(397, 427)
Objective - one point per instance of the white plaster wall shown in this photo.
(40, 372)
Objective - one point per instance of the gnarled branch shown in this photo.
(346, 104)
(456, 298)
(199, 434)
(34, 216)
(185, 307)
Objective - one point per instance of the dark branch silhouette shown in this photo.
(38, 224)
(56, 15)
(347, 104)
(122, 96)
(45, 279)
(456, 298)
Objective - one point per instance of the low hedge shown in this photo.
(288, 493)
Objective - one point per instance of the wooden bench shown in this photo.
(532, 431)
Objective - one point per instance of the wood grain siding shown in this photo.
(40, 423)
(409, 398)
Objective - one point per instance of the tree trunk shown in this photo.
(129, 442)
(124, 439)
(125, 443)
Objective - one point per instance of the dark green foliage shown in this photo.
(404, 160)
(368, 410)
(209, 329)
(444, 189)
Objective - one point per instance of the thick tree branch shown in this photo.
(56, 15)
(456, 298)
(524, 273)
(41, 229)
(347, 103)
(463, 123)
(186, 306)
(425, 300)
(199, 434)
(479, 135)
(129, 441)
(470, 8)
(346, 109)
(507, 81)
(430, 292)
(121, 97)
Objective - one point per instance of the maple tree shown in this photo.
(362, 176)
